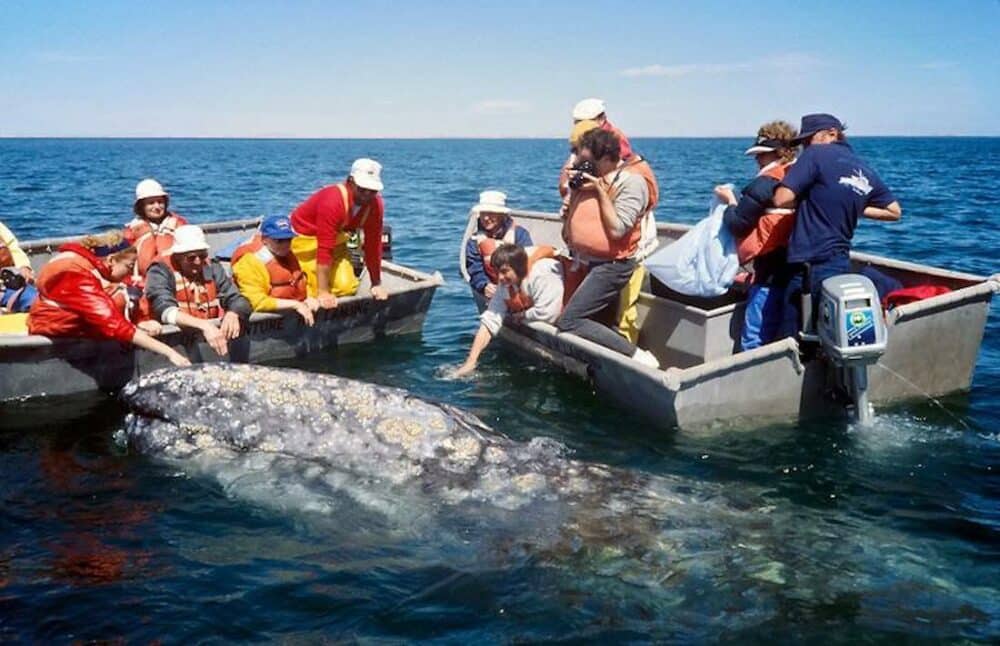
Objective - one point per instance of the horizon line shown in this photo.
(454, 138)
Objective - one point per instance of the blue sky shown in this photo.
(504, 69)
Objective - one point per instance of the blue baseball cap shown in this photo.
(277, 227)
(813, 123)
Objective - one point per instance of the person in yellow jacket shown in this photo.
(268, 273)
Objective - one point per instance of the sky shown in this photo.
(374, 68)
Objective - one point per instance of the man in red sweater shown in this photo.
(323, 224)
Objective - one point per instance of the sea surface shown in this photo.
(819, 531)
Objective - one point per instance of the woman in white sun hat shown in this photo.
(151, 232)
(495, 227)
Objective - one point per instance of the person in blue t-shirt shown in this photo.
(830, 187)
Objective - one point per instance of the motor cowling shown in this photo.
(852, 332)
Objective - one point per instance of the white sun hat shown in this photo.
(189, 237)
(367, 173)
(148, 188)
(492, 202)
(588, 109)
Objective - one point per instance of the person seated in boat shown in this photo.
(17, 289)
(268, 273)
(496, 227)
(762, 230)
(830, 187)
(184, 288)
(74, 298)
(323, 224)
(603, 229)
(530, 288)
(151, 231)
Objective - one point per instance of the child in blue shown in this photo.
(495, 227)
(832, 187)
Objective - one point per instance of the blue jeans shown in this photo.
(762, 320)
(24, 298)
(821, 270)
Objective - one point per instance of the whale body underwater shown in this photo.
(309, 442)
(371, 460)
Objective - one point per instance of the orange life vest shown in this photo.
(284, 274)
(151, 241)
(488, 245)
(586, 229)
(640, 166)
(200, 300)
(773, 228)
(518, 299)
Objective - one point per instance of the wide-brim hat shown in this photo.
(813, 123)
(187, 238)
(492, 202)
(145, 189)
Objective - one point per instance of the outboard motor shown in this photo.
(852, 332)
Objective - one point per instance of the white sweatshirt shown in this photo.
(543, 284)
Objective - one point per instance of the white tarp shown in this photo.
(703, 261)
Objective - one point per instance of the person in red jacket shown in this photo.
(323, 224)
(73, 301)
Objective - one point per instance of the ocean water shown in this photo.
(805, 532)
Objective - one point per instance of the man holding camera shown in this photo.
(16, 277)
(603, 229)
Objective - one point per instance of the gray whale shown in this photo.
(304, 441)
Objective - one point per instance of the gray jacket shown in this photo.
(161, 291)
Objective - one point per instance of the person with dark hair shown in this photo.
(603, 228)
(830, 187)
(762, 230)
(530, 288)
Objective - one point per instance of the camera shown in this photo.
(579, 168)
(11, 279)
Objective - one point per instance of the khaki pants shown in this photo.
(343, 282)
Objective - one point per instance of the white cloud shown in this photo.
(792, 61)
(501, 106)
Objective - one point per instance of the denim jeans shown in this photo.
(765, 306)
(820, 271)
(598, 291)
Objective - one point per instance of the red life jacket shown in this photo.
(151, 241)
(488, 245)
(586, 229)
(198, 299)
(912, 295)
(517, 299)
(284, 274)
(773, 228)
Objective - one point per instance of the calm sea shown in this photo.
(825, 531)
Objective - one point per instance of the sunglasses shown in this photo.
(195, 255)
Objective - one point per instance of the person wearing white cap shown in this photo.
(495, 227)
(151, 232)
(595, 110)
(323, 224)
(186, 289)
(762, 230)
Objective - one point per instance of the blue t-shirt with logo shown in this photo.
(833, 186)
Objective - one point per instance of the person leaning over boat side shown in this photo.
(603, 228)
(530, 289)
(762, 230)
(830, 187)
(184, 288)
(322, 224)
(17, 291)
(74, 302)
(495, 227)
(152, 229)
(268, 273)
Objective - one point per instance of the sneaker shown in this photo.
(646, 358)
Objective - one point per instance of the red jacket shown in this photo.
(72, 301)
(324, 214)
